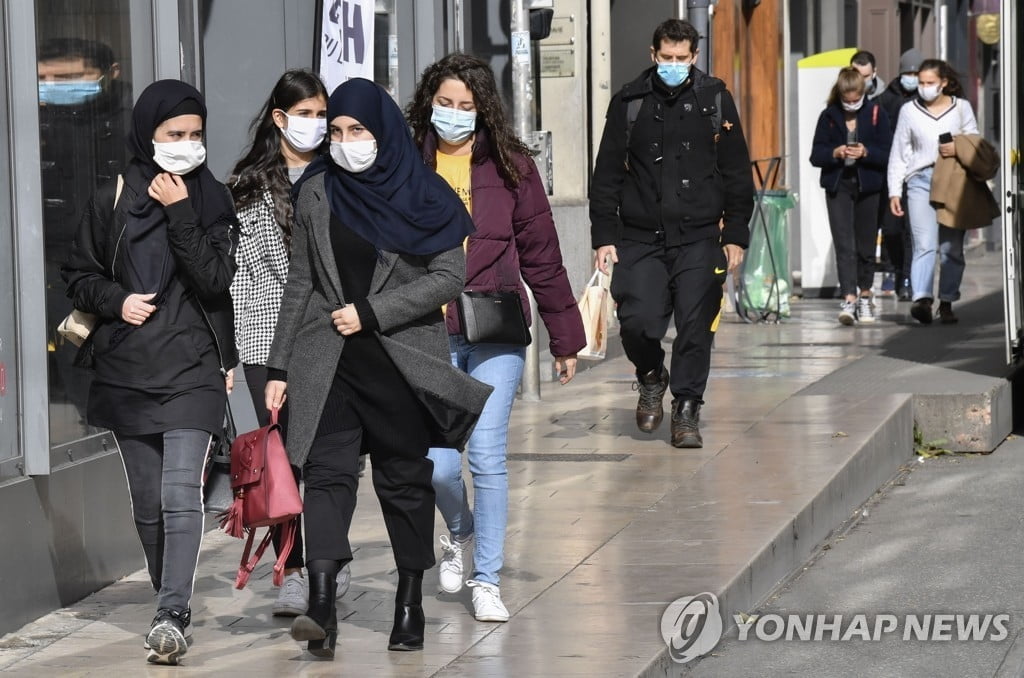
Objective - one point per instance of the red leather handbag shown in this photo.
(266, 495)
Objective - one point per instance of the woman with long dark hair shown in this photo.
(938, 111)
(287, 134)
(851, 146)
(359, 348)
(154, 260)
(460, 125)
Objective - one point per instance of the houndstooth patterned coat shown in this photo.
(258, 286)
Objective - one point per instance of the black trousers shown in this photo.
(256, 380)
(401, 479)
(897, 240)
(853, 218)
(652, 283)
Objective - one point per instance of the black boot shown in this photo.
(407, 634)
(685, 423)
(652, 386)
(319, 625)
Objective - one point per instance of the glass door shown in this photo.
(84, 64)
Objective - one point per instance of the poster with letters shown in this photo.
(346, 50)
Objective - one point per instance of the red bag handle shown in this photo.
(273, 415)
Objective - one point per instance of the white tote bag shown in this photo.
(598, 312)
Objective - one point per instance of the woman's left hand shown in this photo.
(346, 320)
(229, 381)
(566, 367)
(167, 189)
(947, 150)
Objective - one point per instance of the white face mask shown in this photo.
(855, 106)
(179, 157)
(304, 134)
(354, 156)
(929, 93)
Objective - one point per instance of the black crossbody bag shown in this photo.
(493, 317)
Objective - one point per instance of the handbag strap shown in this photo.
(273, 416)
(248, 564)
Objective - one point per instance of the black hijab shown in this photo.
(398, 204)
(148, 258)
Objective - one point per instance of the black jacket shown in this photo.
(872, 130)
(204, 260)
(679, 179)
(893, 98)
(80, 147)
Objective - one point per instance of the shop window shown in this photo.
(85, 98)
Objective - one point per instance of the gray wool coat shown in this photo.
(403, 290)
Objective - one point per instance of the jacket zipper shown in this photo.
(216, 341)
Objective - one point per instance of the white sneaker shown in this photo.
(865, 310)
(451, 569)
(487, 605)
(344, 580)
(847, 312)
(292, 597)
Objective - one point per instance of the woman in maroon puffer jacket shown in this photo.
(459, 123)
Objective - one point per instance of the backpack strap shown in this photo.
(632, 113)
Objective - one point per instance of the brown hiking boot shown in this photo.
(685, 421)
(652, 387)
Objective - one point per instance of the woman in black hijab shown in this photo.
(361, 348)
(153, 260)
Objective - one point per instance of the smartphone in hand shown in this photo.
(945, 138)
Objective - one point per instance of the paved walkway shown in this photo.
(592, 556)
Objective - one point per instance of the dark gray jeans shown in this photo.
(165, 476)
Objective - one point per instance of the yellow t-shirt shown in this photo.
(456, 170)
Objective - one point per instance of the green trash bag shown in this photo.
(765, 277)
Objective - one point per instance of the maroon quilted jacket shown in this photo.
(515, 234)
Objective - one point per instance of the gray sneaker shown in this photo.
(344, 581)
(292, 597)
(866, 310)
(848, 312)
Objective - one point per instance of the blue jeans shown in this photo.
(165, 477)
(501, 366)
(930, 238)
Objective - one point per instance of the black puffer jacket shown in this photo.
(679, 178)
(204, 260)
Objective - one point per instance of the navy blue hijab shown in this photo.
(398, 204)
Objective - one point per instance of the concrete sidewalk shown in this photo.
(607, 526)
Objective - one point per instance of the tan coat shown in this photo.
(959, 193)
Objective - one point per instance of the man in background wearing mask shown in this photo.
(84, 113)
(896, 238)
(670, 201)
(864, 62)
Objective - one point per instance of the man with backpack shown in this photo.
(671, 199)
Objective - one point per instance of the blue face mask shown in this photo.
(908, 82)
(68, 92)
(673, 73)
(453, 125)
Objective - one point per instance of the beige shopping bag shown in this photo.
(598, 312)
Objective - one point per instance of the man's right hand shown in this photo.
(601, 257)
(274, 394)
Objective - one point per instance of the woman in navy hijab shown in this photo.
(361, 349)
